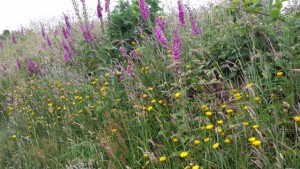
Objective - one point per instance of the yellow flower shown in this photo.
(250, 84)
(209, 127)
(145, 96)
(206, 139)
(153, 101)
(106, 74)
(216, 146)
(279, 74)
(188, 66)
(87, 97)
(196, 142)
(150, 88)
(175, 140)
(220, 130)
(233, 91)
(208, 113)
(146, 155)
(238, 96)
(220, 122)
(62, 97)
(113, 130)
(245, 108)
(93, 82)
(227, 140)
(223, 106)
(196, 167)
(162, 159)
(255, 126)
(230, 111)
(65, 109)
(256, 143)
(133, 43)
(160, 17)
(170, 51)
(177, 95)
(160, 101)
(150, 108)
(251, 139)
(258, 99)
(297, 118)
(184, 154)
(106, 83)
(202, 128)
(246, 123)
(14, 136)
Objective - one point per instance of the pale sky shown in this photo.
(14, 13)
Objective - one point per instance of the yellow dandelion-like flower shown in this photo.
(238, 96)
(197, 142)
(220, 130)
(206, 140)
(196, 167)
(153, 101)
(113, 130)
(209, 113)
(165, 104)
(245, 107)
(297, 118)
(145, 96)
(175, 140)
(93, 82)
(220, 122)
(65, 109)
(250, 84)
(279, 74)
(106, 83)
(184, 154)
(160, 102)
(209, 127)
(230, 111)
(246, 123)
(146, 155)
(227, 140)
(255, 126)
(150, 88)
(233, 91)
(188, 66)
(251, 139)
(150, 108)
(216, 146)
(256, 143)
(62, 97)
(133, 43)
(87, 97)
(14, 136)
(177, 95)
(162, 159)
(223, 106)
(258, 99)
(169, 52)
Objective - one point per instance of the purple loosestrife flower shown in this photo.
(99, 10)
(32, 67)
(161, 22)
(87, 34)
(107, 3)
(67, 21)
(194, 24)
(181, 12)
(160, 36)
(64, 45)
(19, 63)
(13, 38)
(145, 12)
(176, 47)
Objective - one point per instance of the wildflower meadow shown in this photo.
(136, 86)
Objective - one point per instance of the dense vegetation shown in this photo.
(214, 87)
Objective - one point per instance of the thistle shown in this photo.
(181, 12)
(145, 12)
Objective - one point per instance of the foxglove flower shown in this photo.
(194, 24)
(145, 12)
(161, 22)
(99, 10)
(160, 36)
(176, 47)
(181, 12)
(107, 3)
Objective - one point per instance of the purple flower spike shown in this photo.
(99, 9)
(107, 3)
(13, 38)
(18, 63)
(43, 30)
(67, 21)
(66, 33)
(48, 41)
(64, 45)
(145, 12)
(160, 36)
(194, 24)
(87, 33)
(176, 47)
(181, 12)
(161, 22)
(67, 56)
(32, 67)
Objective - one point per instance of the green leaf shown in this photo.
(275, 12)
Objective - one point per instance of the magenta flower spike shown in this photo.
(107, 3)
(145, 12)
(194, 24)
(160, 36)
(176, 47)
(67, 21)
(181, 12)
(99, 10)
(161, 22)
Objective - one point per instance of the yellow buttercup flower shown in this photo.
(146, 155)
(279, 74)
(196, 167)
(216, 146)
(150, 108)
(220, 122)
(256, 143)
(251, 139)
(230, 111)
(184, 154)
(208, 113)
(255, 126)
(178, 95)
(162, 159)
(209, 127)
(14, 136)
(113, 130)
(196, 142)
(297, 118)
(175, 140)
(206, 140)
(227, 141)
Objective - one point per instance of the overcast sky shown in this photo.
(14, 13)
